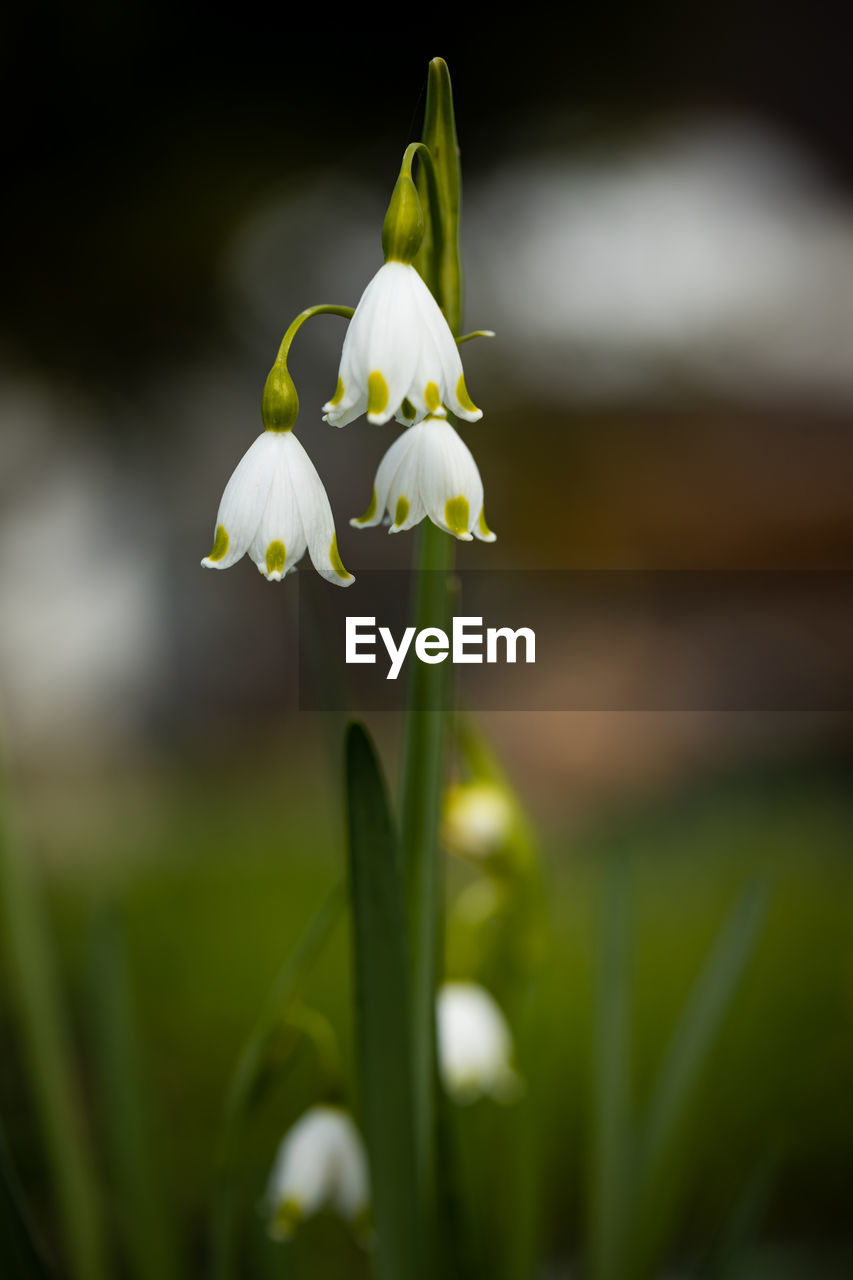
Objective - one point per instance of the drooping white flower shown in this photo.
(477, 819)
(429, 471)
(321, 1164)
(399, 357)
(474, 1044)
(275, 507)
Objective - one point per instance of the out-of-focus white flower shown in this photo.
(477, 819)
(321, 1164)
(399, 357)
(474, 1044)
(429, 471)
(275, 507)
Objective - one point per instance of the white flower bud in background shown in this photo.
(474, 1045)
(321, 1164)
(477, 821)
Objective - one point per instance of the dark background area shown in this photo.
(180, 180)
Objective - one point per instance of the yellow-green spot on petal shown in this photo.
(377, 393)
(463, 397)
(275, 557)
(456, 514)
(402, 509)
(484, 528)
(408, 410)
(432, 396)
(220, 544)
(335, 557)
(338, 396)
(371, 510)
(286, 1219)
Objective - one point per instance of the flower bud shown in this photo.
(474, 1045)
(403, 228)
(478, 820)
(321, 1164)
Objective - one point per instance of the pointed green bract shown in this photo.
(438, 257)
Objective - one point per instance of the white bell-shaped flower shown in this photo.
(474, 1044)
(429, 471)
(275, 507)
(321, 1164)
(399, 357)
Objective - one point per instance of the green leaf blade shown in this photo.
(382, 1011)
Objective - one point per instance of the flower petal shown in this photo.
(243, 502)
(450, 483)
(382, 484)
(318, 523)
(280, 540)
(392, 340)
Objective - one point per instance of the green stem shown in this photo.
(324, 309)
(426, 721)
(426, 728)
(48, 1063)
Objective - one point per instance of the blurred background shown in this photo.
(658, 223)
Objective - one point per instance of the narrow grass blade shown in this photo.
(19, 1254)
(688, 1052)
(147, 1238)
(706, 1008)
(47, 1062)
(283, 994)
(382, 1011)
(612, 1082)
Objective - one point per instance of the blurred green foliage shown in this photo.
(215, 891)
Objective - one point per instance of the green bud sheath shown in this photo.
(280, 403)
(403, 228)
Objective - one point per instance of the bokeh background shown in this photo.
(658, 223)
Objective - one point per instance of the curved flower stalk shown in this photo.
(275, 507)
(474, 1045)
(429, 471)
(399, 358)
(321, 1164)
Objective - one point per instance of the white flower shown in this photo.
(474, 1044)
(274, 506)
(399, 357)
(477, 820)
(429, 471)
(321, 1164)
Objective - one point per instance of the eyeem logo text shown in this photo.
(467, 643)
